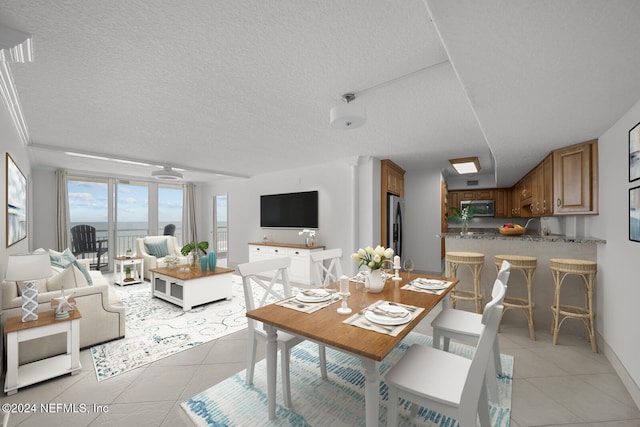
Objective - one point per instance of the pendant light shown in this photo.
(347, 115)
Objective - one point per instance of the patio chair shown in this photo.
(83, 242)
(169, 230)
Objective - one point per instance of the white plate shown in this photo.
(384, 320)
(313, 298)
(434, 285)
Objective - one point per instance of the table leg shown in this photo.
(272, 356)
(371, 391)
(11, 381)
(74, 343)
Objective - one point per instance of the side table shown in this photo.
(17, 331)
(136, 263)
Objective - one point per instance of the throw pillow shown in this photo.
(64, 259)
(66, 280)
(158, 249)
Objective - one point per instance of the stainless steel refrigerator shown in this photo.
(395, 212)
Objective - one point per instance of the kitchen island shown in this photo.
(544, 248)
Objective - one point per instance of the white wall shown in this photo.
(422, 219)
(10, 143)
(336, 223)
(618, 290)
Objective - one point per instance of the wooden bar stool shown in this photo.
(475, 262)
(526, 264)
(560, 269)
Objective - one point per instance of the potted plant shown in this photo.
(193, 248)
(464, 215)
(127, 273)
(128, 253)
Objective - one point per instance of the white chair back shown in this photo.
(504, 273)
(474, 387)
(266, 275)
(323, 275)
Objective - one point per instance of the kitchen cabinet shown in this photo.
(575, 178)
(501, 208)
(453, 200)
(485, 194)
(391, 182)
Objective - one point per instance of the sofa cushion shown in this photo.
(157, 249)
(64, 259)
(66, 279)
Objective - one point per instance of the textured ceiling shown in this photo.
(245, 87)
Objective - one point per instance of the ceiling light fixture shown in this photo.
(166, 174)
(351, 116)
(466, 165)
(347, 115)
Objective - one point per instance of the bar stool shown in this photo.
(526, 264)
(475, 262)
(560, 269)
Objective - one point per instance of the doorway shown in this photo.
(221, 229)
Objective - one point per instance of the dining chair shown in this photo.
(466, 326)
(323, 274)
(264, 282)
(445, 382)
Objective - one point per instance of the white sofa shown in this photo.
(151, 261)
(103, 316)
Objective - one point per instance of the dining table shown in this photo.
(371, 343)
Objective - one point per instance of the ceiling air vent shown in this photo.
(472, 182)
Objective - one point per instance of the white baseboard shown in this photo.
(626, 379)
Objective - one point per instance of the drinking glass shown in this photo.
(362, 294)
(408, 266)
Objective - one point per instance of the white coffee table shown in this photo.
(191, 287)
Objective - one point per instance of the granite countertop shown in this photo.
(494, 234)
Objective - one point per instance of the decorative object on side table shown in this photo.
(464, 215)
(375, 259)
(172, 261)
(27, 268)
(212, 260)
(203, 263)
(311, 240)
(193, 248)
(62, 305)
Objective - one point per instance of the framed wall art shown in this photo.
(634, 214)
(16, 203)
(634, 153)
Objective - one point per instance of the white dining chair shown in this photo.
(325, 274)
(264, 282)
(466, 326)
(445, 382)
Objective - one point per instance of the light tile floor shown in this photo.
(564, 385)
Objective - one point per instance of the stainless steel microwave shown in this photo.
(483, 207)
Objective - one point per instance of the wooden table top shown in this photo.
(325, 325)
(193, 273)
(15, 324)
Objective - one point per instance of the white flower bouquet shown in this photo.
(373, 258)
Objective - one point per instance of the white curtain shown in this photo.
(62, 211)
(190, 232)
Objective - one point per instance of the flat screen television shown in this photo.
(290, 210)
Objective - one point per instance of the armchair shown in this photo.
(146, 245)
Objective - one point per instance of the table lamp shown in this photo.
(27, 268)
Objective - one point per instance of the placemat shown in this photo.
(361, 321)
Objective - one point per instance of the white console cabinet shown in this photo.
(301, 264)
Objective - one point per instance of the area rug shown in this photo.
(338, 401)
(155, 329)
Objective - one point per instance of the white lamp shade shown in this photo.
(347, 116)
(22, 267)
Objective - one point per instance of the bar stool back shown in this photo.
(474, 261)
(586, 270)
(526, 264)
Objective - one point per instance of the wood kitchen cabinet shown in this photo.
(575, 178)
(391, 182)
(485, 194)
(453, 202)
(501, 198)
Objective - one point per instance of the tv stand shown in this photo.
(301, 264)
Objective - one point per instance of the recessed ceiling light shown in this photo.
(466, 165)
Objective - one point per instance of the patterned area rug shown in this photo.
(338, 401)
(157, 329)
